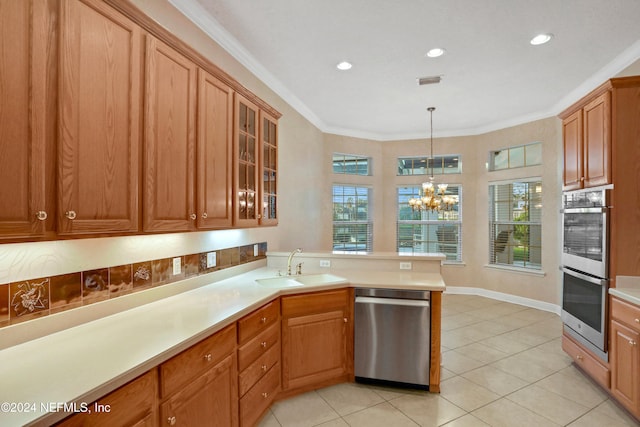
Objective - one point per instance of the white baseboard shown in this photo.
(527, 302)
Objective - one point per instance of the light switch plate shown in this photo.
(211, 259)
(325, 263)
(405, 266)
(177, 265)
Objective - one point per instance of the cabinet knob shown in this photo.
(204, 215)
(70, 215)
(264, 368)
(265, 395)
(579, 357)
(41, 215)
(632, 342)
(193, 216)
(345, 320)
(171, 421)
(263, 344)
(263, 320)
(637, 320)
(581, 178)
(207, 358)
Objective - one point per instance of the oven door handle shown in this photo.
(590, 279)
(601, 209)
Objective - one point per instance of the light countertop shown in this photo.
(627, 288)
(83, 363)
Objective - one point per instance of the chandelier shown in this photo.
(431, 198)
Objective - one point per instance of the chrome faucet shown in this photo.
(295, 251)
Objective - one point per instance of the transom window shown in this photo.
(515, 224)
(422, 165)
(516, 157)
(351, 164)
(426, 231)
(352, 225)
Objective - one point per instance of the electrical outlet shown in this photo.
(325, 263)
(405, 266)
(177, 265)
(255, 250)
(211, 259)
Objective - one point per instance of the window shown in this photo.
(515, 227)
(352, 226)
(351, 165)
(425, 232)
(422, 165)
(516, 157)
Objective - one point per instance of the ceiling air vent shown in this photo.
(429, 80)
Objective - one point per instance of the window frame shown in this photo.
(426, 220)
(353, 223)
(439, 163)
(502, 233)
(351, 158)
(491, 164)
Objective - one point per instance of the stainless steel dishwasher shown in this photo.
(392, 336)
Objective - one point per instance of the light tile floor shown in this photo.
(502, 365)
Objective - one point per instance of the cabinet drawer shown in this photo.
(257, 369)
(256, 322)
(250, 351)
(258, 399)
(590, 364)
(625, 313)
(181, 369)
(319, 302)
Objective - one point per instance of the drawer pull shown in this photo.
(265, 395)
(263, 344)
(263, 320)
(264, 368)
(171, 421)
(207, 357)
(579, 357)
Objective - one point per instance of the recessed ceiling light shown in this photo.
(435, 52)
(344, 65)
(541, 39)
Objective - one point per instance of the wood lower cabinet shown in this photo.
(134, 404)
(587, 361)
(625, 354)
(100, 102)
(27, 116)
(199, 386)
(169, 143)
(317, 339)
(258, 361)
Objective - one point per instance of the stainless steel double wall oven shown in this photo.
(585, 251)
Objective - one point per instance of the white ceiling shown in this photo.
(491, 76)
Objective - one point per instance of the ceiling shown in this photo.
(492, 77)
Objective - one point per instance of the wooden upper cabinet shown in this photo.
(214, 153)
(169, 144)
(246, 152)
(99, 119)
(269, 166)
(587, 144)
(25, 117)
(597, 141)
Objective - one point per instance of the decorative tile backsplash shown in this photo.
(30, 299)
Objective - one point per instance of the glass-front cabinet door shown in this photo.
(246, 156)
(269, 164)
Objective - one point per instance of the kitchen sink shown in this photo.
(309, 279)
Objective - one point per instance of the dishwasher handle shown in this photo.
(392, 301)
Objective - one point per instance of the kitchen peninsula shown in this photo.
(222, 337)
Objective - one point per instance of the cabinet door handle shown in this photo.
(171, 421)
(207, 357)
(637, 320)
(263, 320)
(264, 368)
(70, 215)
(41, 215)
(632, 342)
(204, 215)
(263, 344)
(345, 320)
(265, 395)
(193, 216)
